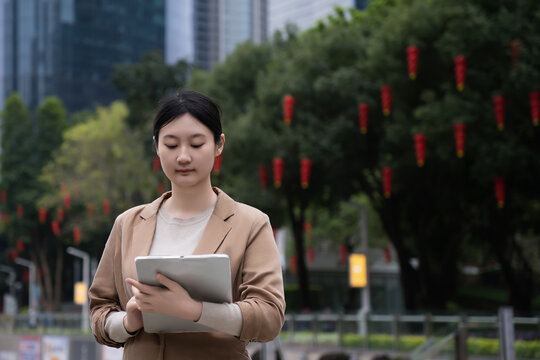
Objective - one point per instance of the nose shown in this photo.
(183, 156)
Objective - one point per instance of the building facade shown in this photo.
(304, 13)
(69, 48)
(204, 32)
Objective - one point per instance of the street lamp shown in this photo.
(10, 304)
(11, 278)
(366, 298)
(85, 323)
(32, 287)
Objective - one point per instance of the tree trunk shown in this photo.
(298, 233)
(58, 275)
(390, 218)
(47, 281)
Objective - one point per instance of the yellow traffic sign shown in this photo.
(80, 295)
(357, 270)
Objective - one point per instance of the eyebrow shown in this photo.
(191, 137)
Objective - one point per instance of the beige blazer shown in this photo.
(238, 230)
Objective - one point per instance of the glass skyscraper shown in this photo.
(68, 48)
(204, 32)
(304, 13)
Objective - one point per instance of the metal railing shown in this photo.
(438, 331)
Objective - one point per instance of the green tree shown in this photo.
(51, 124)
(440, 214)
(19, 175)
(99, 160)
(25, 149)
(18, 156)
(145, 83)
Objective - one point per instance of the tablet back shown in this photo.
(205, 277)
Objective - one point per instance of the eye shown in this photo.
(196, 146)
(170, 146)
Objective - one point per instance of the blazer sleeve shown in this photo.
(103, 293)
(261, 290)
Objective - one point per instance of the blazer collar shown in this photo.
(215, 232)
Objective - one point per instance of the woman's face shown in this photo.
(187, 151)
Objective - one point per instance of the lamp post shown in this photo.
(32, 298)
(85, 323)
(11, 278)
(366, 298)
(10, 304)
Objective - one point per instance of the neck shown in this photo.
(188, 202)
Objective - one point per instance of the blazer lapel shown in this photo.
(143, 234)
(217, 228)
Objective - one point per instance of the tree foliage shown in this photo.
(99, 161)
(440, 216)
(145, 83)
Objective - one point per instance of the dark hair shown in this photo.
(190, 102)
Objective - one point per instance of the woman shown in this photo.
(193, 218)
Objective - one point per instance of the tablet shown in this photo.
(205, 278)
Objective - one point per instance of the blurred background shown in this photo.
(393, 143)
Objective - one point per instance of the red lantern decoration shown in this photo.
(307, 227)
(534, 101)
(363, 115)
(515, 51)
(160, 188)
(90, 209)
(217, 164)
(459, 137)
(3, 196)
(156, 164)
(11, 255)
(55, 226)
(278, 171)
(293, 262)
(460, 69)
(343, 254)
(387, 181)
(76, 235)
(420, 147)
(498, 104)
(61, 214)
(310, 252)
(106, 205)
(412, 61)
(499, 185)
(387, 254)
(67, 201)
(305, 171)
(42, 215)
(20, 211)
(288, 108)
(386, 99)
(263, 176)
(20, 245)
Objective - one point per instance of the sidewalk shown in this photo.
(303, 352)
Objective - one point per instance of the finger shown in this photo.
(165, 281)
(146, 289)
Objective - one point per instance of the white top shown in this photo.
(174, 236)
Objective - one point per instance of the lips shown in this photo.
(184, 171)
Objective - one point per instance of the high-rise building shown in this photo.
(206, 31)
(2, 56)
(304, 13)
(68, 48)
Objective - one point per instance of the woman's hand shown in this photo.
(133, 320)
(172, 299)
